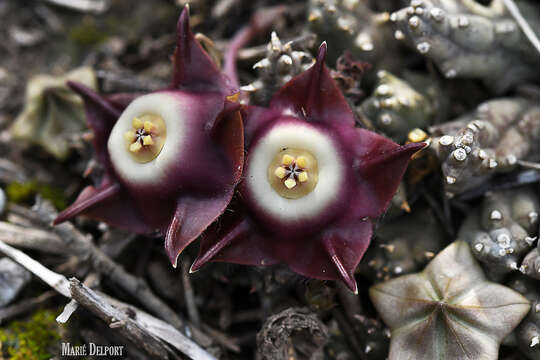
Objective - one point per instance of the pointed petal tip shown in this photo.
(321, 55)
(173, 260)
(322, 49)
(173, 256)
(346, 276)
(197, 265)
(184, 15)
(182, 27)
(350, 282)
(193, 269)
(414, 147)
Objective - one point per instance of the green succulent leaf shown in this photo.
(53, 112)
(448, 311)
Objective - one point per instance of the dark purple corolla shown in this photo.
(312, 182)
(171, 158)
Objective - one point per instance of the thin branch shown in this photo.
(128, 327)
(54, 280)
(529, 164)
(30, 238)
(144, 330)
(162, 330)
(86, 6)
(527, 30)
(83, 247)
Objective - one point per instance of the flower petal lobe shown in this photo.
(193, 68)
(313, 95)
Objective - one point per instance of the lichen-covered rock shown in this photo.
(352, 25)
(13, 278)
(279, 66)
(53, 112)
(528, 332)
(470, 40)
(293, 333)
(403, 246)
(503, 229)
(395, 107)
(488, 140)
(449, 311)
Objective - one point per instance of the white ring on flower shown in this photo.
(298, 136)
(171, 109)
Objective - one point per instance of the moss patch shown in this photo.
(32, 339)
(20, 192)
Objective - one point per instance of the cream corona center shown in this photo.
(294, 171)
(147, 137)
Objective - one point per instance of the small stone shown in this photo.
(535, 341)
(398, 34)
(13, 278)
(417, 135)
(478, 247)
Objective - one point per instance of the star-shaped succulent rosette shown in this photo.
(448, 311)
(171, 158)
(312, 181)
